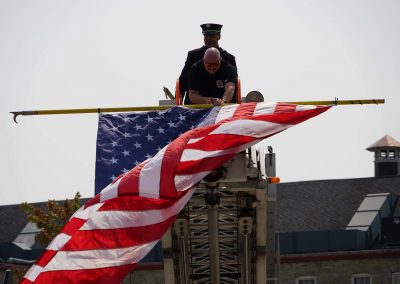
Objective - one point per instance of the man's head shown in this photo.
(212, 60)
(212, 34)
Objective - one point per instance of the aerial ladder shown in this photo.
(226, 232)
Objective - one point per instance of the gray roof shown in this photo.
(327, 204)
(13, 220)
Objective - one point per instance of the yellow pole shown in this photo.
(151, 108)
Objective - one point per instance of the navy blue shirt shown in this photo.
(212, 85)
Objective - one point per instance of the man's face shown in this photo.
(212, 67)
(211, 40)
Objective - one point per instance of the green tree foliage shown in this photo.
(51, 221)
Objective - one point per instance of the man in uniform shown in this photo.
(212, 34)
(212, 80)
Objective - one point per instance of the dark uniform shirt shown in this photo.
(194, 56)
(212, 85)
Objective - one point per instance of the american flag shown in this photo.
(105, 239)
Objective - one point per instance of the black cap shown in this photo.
(211, 29)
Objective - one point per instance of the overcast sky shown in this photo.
(79, 54)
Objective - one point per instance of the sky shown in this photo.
(96, 53)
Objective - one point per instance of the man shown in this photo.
(212, 80)
(212, 34)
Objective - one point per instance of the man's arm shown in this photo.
(229, 91)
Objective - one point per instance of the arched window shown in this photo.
(306, 280)
(361, 278)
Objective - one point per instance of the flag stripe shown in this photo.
(264, 108)
(129, 184)
(91, 259)
(226, 112)
(123, 237)
(122, 219)
(149, 178)
(245, 110)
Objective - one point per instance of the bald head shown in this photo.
(212, 60)
(212, 55)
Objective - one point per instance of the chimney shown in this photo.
(387, 156)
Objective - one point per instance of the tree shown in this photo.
(51, 221)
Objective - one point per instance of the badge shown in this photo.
(220, 84)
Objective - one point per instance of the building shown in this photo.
(327, 231)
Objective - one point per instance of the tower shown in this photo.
(387, 156)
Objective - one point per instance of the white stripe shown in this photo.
(305, 107)
(184, 182)
(247, 127)
(33, 272)
(264, 108)
(253, 128)
(111, 191)
(84, 214)
(226, 112)
(149, 179)
(91, 259)
(59, 241)
(193, 155)
(127, 219)
(194, 140)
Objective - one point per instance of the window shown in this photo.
(361, 279)
(383, 154)
(306, 280)
(391, 154)
(396, 278)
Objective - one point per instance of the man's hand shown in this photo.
(217, 102)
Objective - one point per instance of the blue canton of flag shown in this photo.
(124, 140)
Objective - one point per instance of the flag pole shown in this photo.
(201, 106)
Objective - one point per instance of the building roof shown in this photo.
(385, 142)
(327, 204)
(10, 228)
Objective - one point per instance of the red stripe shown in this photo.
(206, 164)
(92, 201)
(129, 184)
(117, 238)
(220, 142)
(282, 107)
(46, 257)
(135, 203)
(170, 163)
(89, 276)
(72, 226)
(291, 117)
(244, 110)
